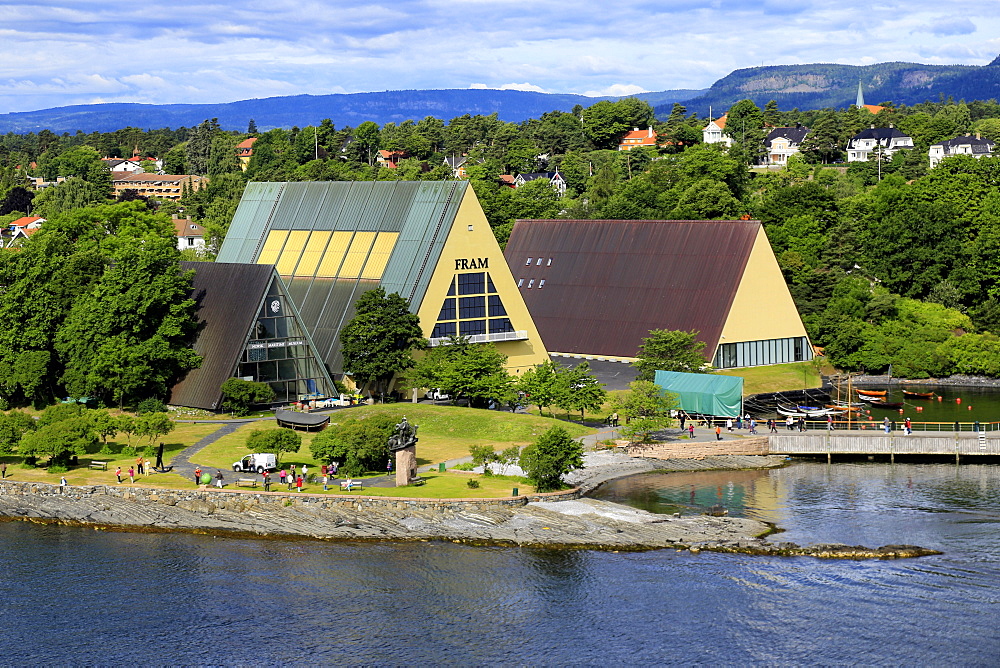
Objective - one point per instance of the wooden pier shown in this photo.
(833, 443)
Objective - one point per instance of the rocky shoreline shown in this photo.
(561, 520)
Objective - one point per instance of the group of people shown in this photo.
(746, 420)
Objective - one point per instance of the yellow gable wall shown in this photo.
(763, 308)
(478, 242)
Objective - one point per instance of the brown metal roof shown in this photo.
(228, 297)
(611, 281)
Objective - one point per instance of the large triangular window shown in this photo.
(472, 308)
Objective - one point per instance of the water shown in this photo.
(977, 403)
(80, 596)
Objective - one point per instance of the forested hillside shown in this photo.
(888, 263)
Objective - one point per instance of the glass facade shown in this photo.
(761, 353)
(278, 353)
(477, 309)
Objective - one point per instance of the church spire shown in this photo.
(861, 97)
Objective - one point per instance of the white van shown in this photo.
(258, 463)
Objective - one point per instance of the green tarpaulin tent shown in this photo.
(704, 393)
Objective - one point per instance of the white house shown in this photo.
(189, 234)
(889, 139)
(555, 179)
(966, 144)
(782, 143)
(715, 133)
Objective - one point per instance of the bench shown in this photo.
(99, 465)
(357, 484)
(246, 482)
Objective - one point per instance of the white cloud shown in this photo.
(616, 90)
(211, 51)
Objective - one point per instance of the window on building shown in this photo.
(541, 284)
(528, 262)
(520, 282)
(531, 283)
(549, 263)
(539, 263)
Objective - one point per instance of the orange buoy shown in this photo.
(900, 411)
(940, 398)
(920, 409)
(970, 408)
(958, 401)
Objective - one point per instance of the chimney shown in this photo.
(872, 126)
(650, 131)
(890, 126)
(979, 135)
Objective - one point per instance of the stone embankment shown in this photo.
(539, 520)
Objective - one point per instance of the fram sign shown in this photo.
(464, 264)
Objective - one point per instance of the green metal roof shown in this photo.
(421, 212)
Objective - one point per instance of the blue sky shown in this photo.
(60, 52)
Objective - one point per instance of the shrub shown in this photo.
(554, 454)
(58, 469)
(151, 405)
(472, 483)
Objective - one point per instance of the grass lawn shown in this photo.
(798, 375)
(182, 436)
(446, 485)
(445, 433)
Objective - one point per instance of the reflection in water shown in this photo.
(78, 596)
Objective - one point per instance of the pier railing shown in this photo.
(897, 425)
(827, 443)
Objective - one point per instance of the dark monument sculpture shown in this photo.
(403, 442)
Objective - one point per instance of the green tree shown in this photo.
(13, 426)
(274, 440)
(60, 440)
(378, 342)
(606, 122)
(154, 425)
(199, 146)
(646, 408)
(541, 385)
(359, 444)
(239, 395)
(581, 391)
(745, 124)
(670, 350)
(105, 424)
(474, 371)
(551, 457)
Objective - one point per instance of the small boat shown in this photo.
(918, 395)
(845, 407)
(872, 393)
(886, 404)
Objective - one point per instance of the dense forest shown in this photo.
(889, 263)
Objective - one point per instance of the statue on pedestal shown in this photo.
(403, 442)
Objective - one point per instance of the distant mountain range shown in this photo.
(302, 110)
(803, 86)
(823, 85)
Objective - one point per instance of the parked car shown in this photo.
(256, 463)
(437, 395)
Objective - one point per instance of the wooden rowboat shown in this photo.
(886, 404)
(871, 393)
(918, 395)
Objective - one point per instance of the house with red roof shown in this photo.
(715, 132)
(189, 234)
(636, 138)
(244, 151)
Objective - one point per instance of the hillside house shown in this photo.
(457, 166)
(244, 151)
(160, 186)
(390, 159)
(782, 143)
(966, 144)
(715, 133)
(555, 179)
(637, 138)
(189, 234)
(889, 140)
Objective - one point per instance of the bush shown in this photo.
(151, 405)
(553, 455)
(128, 451)
(464, 466)
(58, 469)
(361, 445)
(472, 483)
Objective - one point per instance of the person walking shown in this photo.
(131, 475)
(614, 419)
(772, 427)
(3, 471)
(138, 465)
(282, 476)
(718, 433)
(908, 426)
(305, 471)
(829, 423)
(267, 480)
(753, 426)
(218, 478)
(683, 416)
(691, 431)
(388, 466)
(802, 424)
(298, 484)
(334, 467)
(729, 424)
(325, 480)
(197, 475)
(62, 485)
(886, 425)
(118, 474)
